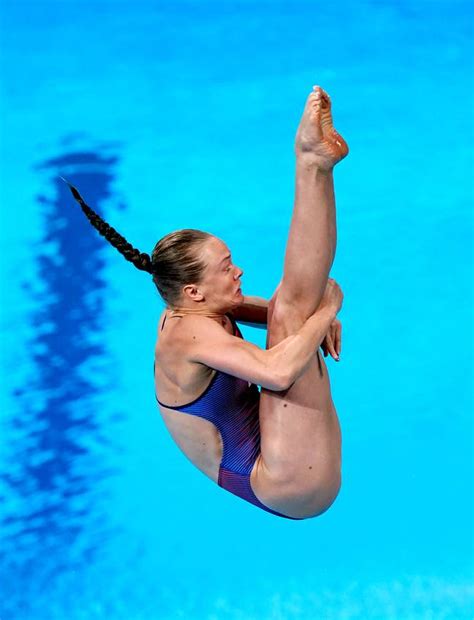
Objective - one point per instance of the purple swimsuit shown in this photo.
(231, 404)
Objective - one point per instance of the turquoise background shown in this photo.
(171, 115)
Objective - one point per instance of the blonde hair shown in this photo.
(175, 259)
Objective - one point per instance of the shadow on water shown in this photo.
(54, 515)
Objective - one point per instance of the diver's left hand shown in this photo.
(332, 341)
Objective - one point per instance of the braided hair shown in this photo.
(139, 259)
(174, 261)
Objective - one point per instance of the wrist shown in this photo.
(325, 314)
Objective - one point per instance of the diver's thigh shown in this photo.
(298, 426)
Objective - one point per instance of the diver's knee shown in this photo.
(286, 317)
(296, 304)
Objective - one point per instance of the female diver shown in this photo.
(278, 448)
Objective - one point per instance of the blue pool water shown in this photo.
(172, 115)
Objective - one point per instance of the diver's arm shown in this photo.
(204, 341)
(252, 311)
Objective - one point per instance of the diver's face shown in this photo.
(221, 283)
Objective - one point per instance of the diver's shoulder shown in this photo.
(193, 324)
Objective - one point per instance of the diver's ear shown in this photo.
(191, 291)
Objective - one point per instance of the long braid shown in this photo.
(141, 260)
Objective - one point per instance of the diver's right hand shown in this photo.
(332, 297)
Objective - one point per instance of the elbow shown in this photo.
(280, 376)
(284, 381)
(276, 382)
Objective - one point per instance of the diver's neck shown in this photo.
(180, 310)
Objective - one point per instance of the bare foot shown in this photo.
(316, 139)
